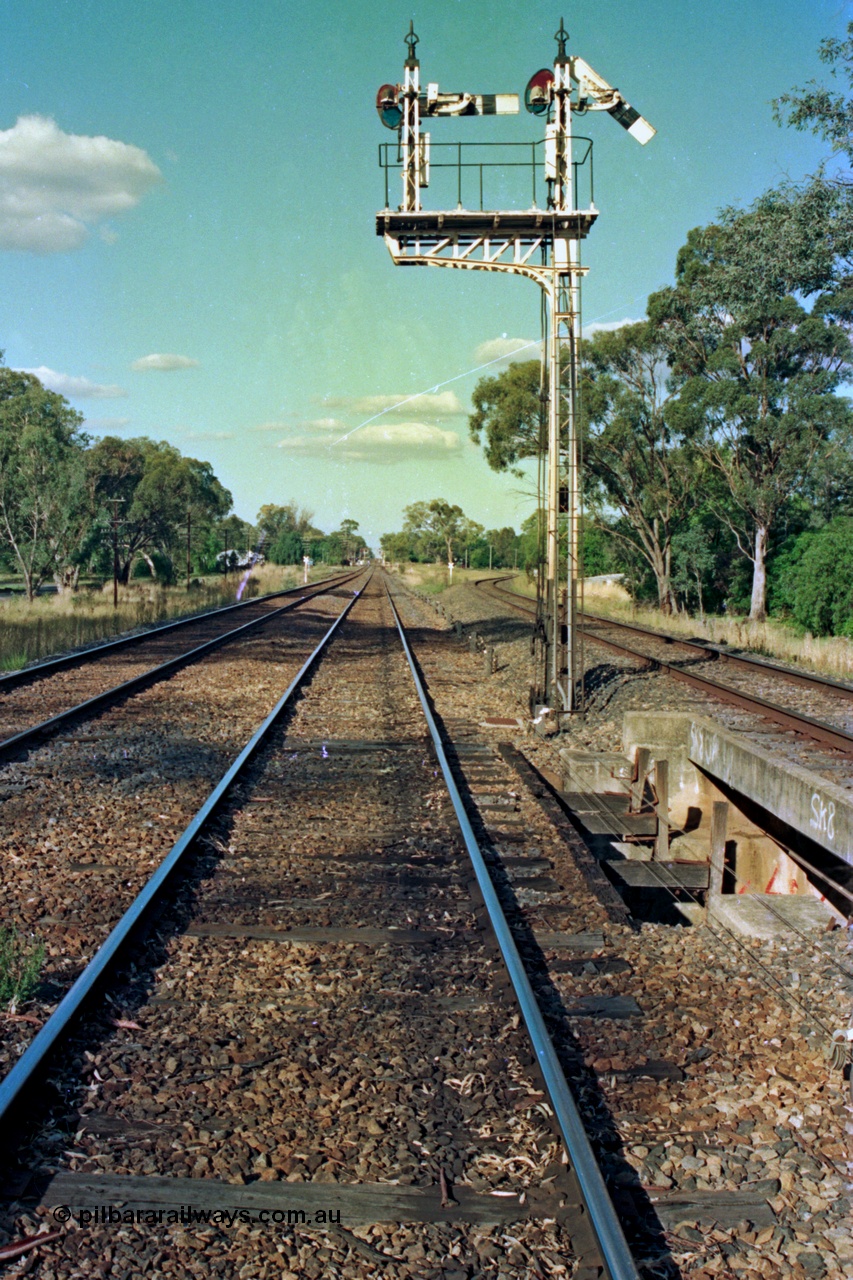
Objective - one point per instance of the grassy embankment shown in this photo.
(830, 656)
(55, 624)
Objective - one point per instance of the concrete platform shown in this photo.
(806, 802)
(769, 916)
(601, 771)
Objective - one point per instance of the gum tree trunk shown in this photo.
(758, 605)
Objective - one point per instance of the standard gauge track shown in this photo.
(52, 694)
(317, 1022)
(655, 652)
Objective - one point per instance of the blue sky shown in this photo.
(187, 200)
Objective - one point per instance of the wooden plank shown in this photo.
(719, 827)
(638, 785)
(533, 865)
(553, 941)
(320, 933)
(657, 875)
(582, 802)
(581, 968)
(727, 1208)
(538, 884)
(604, 1007)
(662, 789)
(358, 1204)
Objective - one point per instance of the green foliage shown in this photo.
(639, 461)
(43, 507)
(398, 547)
(758, 372)
(283, 529)
(288, 548)
(154, 489)
(13, 661)
(824, 111)
(508, 413)
(816, 579)
(600, 550)
(20, 967)
(439, 529)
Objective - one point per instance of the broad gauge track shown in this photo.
(818, 711)
(318, 1019)
(39, 699)
(92, 808)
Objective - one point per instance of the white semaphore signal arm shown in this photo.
(595, 94)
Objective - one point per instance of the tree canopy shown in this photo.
(42, 477)
(758, 377)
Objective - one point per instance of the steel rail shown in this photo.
(705, 648)
(38, 670)
(715, 652)
(69, 1008)
(608, 1231)
(826, 734)
(152, 676)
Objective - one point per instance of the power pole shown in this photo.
(115, 502)
(189, 525)
(541, 244)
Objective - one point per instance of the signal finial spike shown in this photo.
(561, 37)
(411, 41)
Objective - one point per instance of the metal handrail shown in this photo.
(390, 157)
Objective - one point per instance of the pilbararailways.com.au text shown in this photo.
(185, 1215)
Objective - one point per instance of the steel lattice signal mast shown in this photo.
(542, 244)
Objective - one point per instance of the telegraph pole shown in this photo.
(115, 502)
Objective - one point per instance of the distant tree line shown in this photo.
(716, 434)
(70, 504)
(439, 531)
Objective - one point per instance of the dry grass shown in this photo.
(832, 656)
(55, 624)
(433, 578)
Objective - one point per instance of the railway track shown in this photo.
(318, 1019)
(38, 700)
(823, 716)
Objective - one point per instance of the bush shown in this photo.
(819, 583)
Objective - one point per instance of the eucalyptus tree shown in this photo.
(439, 527)
(821, 108)
(639, 474)
(758, 371)
(151, 488)
(43, 507)
(508, 416)
(638, 461)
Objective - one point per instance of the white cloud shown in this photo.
(379, 442)
(55, 186)
(75, 388)
(507, 349)
(208, 435)
(324, 424)
(437, 404)
(106, 424)
(163, 363)
(597, 326)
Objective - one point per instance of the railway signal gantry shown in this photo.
(541, 244)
